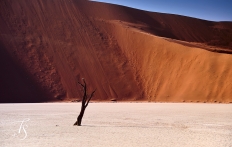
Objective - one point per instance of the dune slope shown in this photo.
(126, 54)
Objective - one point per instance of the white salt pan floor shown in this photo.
(116, 125)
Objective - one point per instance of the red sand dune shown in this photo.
(127, 54)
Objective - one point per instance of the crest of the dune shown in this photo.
(126, 54)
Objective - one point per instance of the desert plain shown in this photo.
(116, 124)
(173, 72)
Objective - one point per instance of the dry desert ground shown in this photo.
(116, 125)
(47, 46)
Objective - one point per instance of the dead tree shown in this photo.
(85, 102)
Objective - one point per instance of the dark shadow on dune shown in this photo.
(16, 85)
(215, 50)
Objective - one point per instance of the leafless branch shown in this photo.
(85, 101)
(90, 98)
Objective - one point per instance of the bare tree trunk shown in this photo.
(79, 118)
(85, 102)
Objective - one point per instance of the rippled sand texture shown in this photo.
(117, 124)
